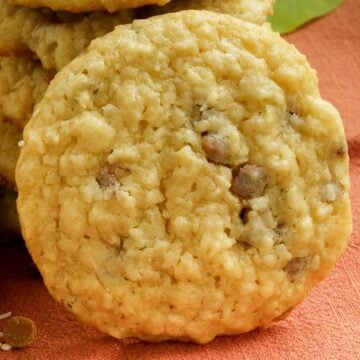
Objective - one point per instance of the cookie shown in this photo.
(255, 11)
(183, 179)
(78, 6)
(54, 37)
(22, 84)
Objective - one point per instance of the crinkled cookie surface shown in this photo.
(183, 179)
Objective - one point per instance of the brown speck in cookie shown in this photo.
(106, 177)
(249, 182)
(341, 151)
(294, 267)
(216, 148)
(19, 331)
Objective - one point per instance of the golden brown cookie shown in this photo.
(182, 179)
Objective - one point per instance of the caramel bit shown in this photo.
(216, 148)
(244, 214)
(295, 266)
(19, 331)
(249, 182)
(106, 177)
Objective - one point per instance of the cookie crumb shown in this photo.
(216, 148)
(19, 331)
(249, 182)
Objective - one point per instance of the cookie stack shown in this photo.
(180, 177)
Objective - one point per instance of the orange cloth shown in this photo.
(325, 326)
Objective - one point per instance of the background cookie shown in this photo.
(184, 179)
(23, 82)
(54, 37)
(14, 21)
(255, 11)
(58, 37)
(78, 6)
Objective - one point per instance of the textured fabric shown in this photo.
(325, 326)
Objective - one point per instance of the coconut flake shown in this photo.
(5, 316)
(5, 347)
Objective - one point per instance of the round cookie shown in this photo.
(255, 11)
(183, 179)
(77, 6)
(54, 37)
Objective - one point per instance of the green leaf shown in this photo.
(291, 14)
